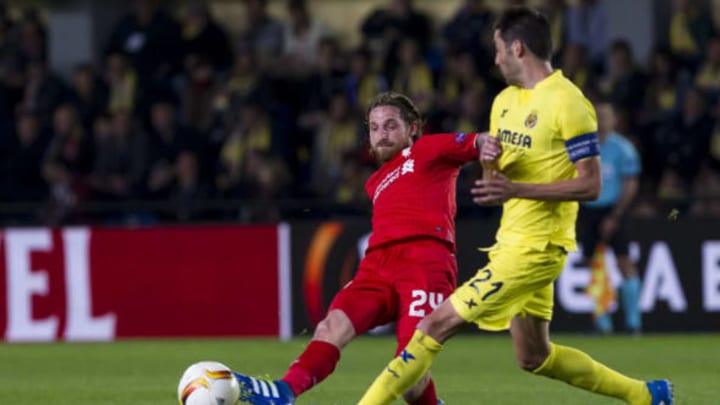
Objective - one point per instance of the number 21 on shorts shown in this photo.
(482, 282)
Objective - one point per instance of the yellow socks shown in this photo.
(404, 371)
(578, 369)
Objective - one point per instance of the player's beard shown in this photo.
(511, 74)
(385, 150)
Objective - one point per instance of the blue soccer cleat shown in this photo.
(440, 402)
(661, 391)
(256, 391)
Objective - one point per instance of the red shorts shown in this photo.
(400, 282)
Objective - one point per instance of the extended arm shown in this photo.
(584, 187)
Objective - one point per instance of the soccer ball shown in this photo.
(208, 383)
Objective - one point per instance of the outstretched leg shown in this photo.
(317, 361)
(321, 355)
(535, 353)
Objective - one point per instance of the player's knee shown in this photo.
(441, 324)
(335, 328)
(530, 362)
(432, 325)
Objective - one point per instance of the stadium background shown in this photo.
(202, 177)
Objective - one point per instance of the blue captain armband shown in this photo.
(583, 146)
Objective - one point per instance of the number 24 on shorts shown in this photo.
(420, 298)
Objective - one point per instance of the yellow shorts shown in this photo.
(516, 281)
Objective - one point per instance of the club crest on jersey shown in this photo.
(531, 119)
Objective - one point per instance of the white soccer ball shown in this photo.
(208, 383)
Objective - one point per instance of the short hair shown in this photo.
(528, 26)
(408, 110)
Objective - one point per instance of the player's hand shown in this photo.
(608, 226)
(491, 148)
(493, 191)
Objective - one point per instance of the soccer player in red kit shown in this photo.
(409, 266)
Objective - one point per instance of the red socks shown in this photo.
(314, 365)
(318, 361)
(428, 397)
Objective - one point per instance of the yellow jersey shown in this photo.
(543, 131)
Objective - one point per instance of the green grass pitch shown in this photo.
(473, 369)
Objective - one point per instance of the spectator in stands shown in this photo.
(32, 40)
(152, 40)
(4, 14)
(338, 136)
(385, 27)
(123, 83)
(203, 37)
(167, 140)
(691, 28)
(188, 187)
(262, 34)
(362, 82)
(626, 85)
(268, 179)
(245, 82)
(682, 146)
(661, 104)
(349, 191)
(707, 184)
(198, 93)
(325, 80)
(586, 24)
(11, 67)
(21, 177)
(244, 85)
(43, 91)
(302, 36)
(664, 88)
(715, 140)
(459, 76)
(120, 163)
(68, 159)
(250, 136)
(89, 94)
(708, 76)
(474, 111)
(413, 76)
(470, 30)
(556, 12)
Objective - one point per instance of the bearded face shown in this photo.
(506, 61)
(389, 133)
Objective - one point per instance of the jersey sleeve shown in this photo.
(457, 147)
(578, 127)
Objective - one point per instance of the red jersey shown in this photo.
(413, 193)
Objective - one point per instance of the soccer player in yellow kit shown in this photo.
(547, 131)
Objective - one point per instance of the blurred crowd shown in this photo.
(178, 111)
